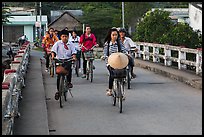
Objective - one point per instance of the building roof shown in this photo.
(61, 16)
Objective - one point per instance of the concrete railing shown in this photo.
(152, 50)
(13, 82)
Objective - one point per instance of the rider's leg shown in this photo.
(110, 84)
(69, 76)
(57, 93)
(84, 65)
(47, 62)
(131, 64)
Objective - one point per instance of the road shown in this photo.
(155, 105)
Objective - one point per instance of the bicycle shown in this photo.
(63, 86)
(89, 56)
(51, 66)
(118, 87)
(76, 64)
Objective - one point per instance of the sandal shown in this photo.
(57, 95)
(109, 92)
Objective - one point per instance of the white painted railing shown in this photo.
(12, 84)
(152, 50)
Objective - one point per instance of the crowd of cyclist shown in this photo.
(67, 44)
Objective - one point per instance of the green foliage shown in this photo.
(154, 25)
(157, 27)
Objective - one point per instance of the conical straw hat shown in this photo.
(118, 60)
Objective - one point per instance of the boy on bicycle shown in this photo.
(63, 49)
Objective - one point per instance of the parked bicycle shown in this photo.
(62, 72)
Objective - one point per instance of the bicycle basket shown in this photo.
(118, 73)
(88, 54)
(61, 70)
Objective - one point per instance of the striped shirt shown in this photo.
(113, 48)
(61, 52)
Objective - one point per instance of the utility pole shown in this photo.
(36, 14)
(123, 24)
(40, 30)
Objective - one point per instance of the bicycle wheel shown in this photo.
(91, 70)
(87, 70)
(113, 97)
(66, 88)
(51, 67)
(52, 70)
(128, 78)
(61, 90)
(120, 97)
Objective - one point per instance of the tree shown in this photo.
(5, 15)
(153, 26)
(134, 11)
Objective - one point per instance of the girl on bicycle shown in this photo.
(47, 43)
(75, 40)
(112, 45)
(88, 40)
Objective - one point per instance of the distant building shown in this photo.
(177, 14)
(195, 16)
(22, 22)
(55, 14)
(66, 19)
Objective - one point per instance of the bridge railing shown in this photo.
(13, 82)
(157, 52)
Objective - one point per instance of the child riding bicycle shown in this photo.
(63, 49)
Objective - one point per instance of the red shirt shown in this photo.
(89, 41)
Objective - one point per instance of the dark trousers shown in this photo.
(111, 79)
(68, 67)
(47, 59)
(84, 63)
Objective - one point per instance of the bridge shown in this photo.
(162, 99)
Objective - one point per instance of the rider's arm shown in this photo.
(94, 40)
(54, 49)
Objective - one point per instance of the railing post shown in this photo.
(155, 54)
(167, 54)
(199, 61)
(146, 52)
(181, 56)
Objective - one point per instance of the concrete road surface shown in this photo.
(155, 105)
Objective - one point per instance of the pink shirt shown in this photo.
(89, 41)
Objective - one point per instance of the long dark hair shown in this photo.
(108, 39)
(108, 36)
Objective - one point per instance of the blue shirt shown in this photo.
(61, 52)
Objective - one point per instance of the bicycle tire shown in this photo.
(66, 88)
(128, 78)
(91, 70)
(52, 71)
(120, 97)
(61, 89)
(87, 70)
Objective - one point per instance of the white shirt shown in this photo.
(75, 41)
(128, 43)
(61, 52)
